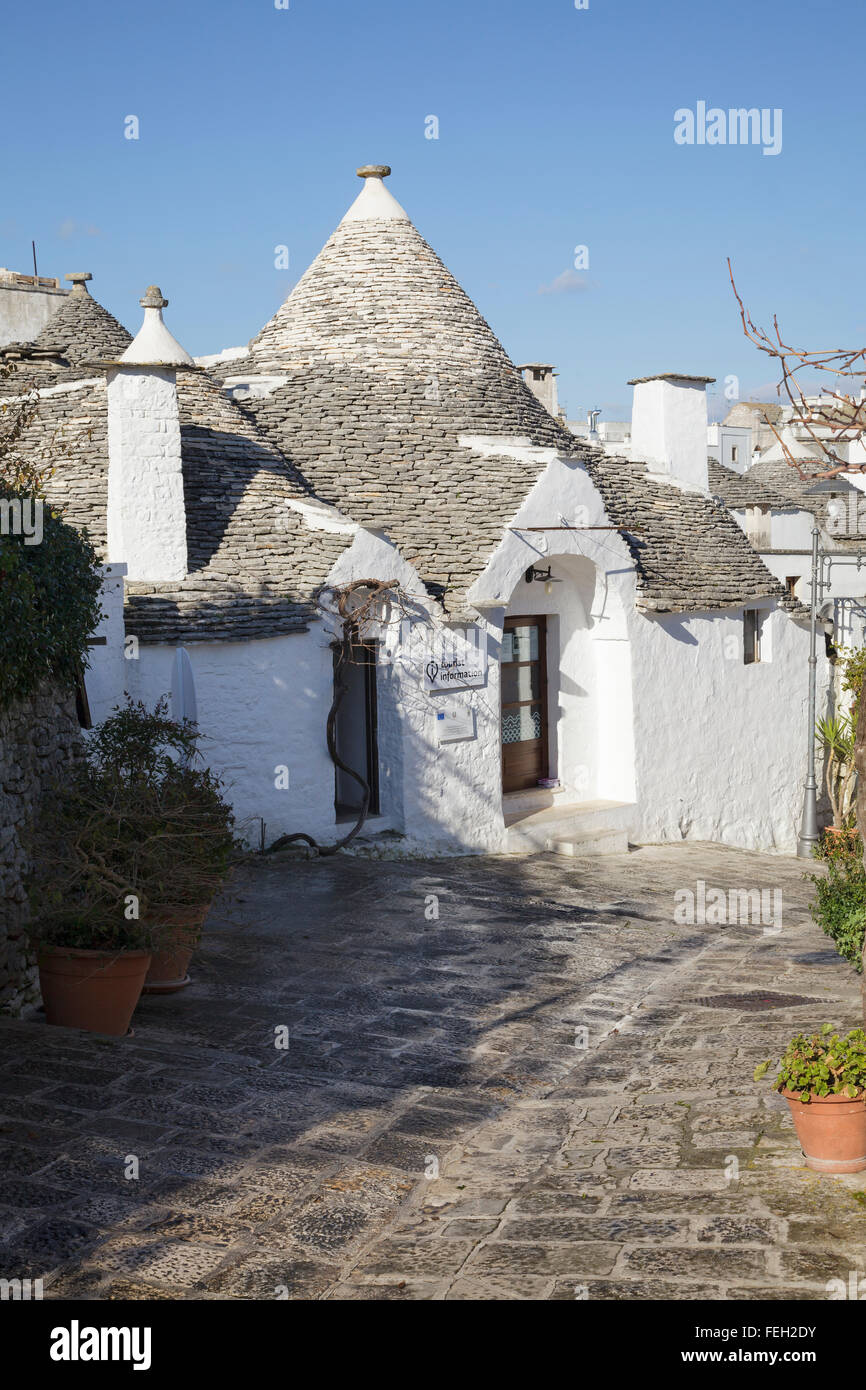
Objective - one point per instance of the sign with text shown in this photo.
(455, 659)
(455, 722)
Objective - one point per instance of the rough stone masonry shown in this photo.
(38, 737)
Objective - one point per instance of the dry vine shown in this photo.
(841, 415)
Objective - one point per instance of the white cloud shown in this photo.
(569, 282)
(69, 228)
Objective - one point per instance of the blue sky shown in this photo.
(555, 130)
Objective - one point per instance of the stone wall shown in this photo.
(37, 737)
(25, 308)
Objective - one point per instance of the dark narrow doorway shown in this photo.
(356, 734)
(523, 678)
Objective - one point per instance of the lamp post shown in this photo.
(809, 835)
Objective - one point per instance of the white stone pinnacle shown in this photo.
(153, 345)
(374, 203)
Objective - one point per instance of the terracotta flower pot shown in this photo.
(94, 990)
(831, 1131)
(169, 968)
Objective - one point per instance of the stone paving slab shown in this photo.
(544, 1092)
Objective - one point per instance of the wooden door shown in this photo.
(356, 734)
(523, 680)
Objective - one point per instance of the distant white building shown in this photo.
(731, 446)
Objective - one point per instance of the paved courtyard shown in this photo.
(511, 1078)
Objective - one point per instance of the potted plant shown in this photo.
(837, 734)
(196, 848)
(823, 1079)
(93, 949)
(128, 855)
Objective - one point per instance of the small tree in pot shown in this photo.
(128, 852)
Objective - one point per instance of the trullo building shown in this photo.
(579, 649)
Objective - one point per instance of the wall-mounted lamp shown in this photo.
(544, 577)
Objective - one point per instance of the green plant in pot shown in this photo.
(837, 733)
(823, 1079)
(87, 896)
(127, 855)
(191, 857)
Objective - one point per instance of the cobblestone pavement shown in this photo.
(647, 1165)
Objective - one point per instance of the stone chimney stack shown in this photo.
(669, 427)
(146, 512)
(541, 380)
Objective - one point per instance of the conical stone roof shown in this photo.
(375, 375)
(385, 363)
(378, 314)
(80, 331)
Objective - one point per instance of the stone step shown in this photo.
(600, 842)
(577, 820)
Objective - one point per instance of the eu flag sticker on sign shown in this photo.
(455, 723)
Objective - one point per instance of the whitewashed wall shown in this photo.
(105, 675)
(657, 711)
(261, 706)
(721, 747)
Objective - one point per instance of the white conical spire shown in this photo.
(374, 203)
(153, 345)
(797, 449)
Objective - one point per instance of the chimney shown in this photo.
(541, 380)
(146, 513)
(669, 426)
(79, 280)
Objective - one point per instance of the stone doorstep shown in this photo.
(578, 821)
(601, 842)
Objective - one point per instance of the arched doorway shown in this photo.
(565, 687)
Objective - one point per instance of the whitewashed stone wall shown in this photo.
(261, 707)
(146, 514)
(659, 712)
(106, 675)
(721, 747)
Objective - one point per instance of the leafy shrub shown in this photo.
(136, 832)
(840, 909)
(821, 1065)
(49, 603)
(844, 845)
(49, 586)
(853, 668)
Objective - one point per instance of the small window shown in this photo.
(733, 453)
(752, 625)
(791, 582)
